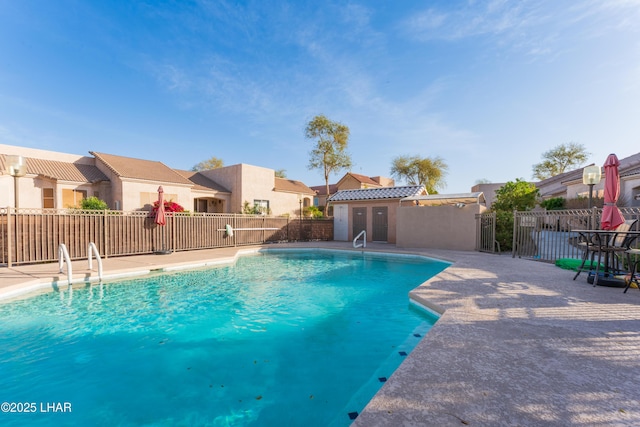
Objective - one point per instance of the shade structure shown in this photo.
(160, 215)
(611, 215)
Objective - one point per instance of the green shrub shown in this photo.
(554, 203)
(504, 230)
(93, 204)
(519, 195)
(313, 212)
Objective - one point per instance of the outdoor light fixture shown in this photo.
(591, 176)
(17, 168)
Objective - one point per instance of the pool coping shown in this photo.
(518, 341)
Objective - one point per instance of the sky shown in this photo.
(486, 86)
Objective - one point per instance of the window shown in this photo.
(73, 198)
(48, 201)
(261, 206)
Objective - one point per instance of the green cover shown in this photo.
(574, 264)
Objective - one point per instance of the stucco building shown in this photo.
(47, 179)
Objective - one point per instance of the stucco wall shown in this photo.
(349, 183)
(30, 191)
(248, 183)
(630, 191)
(114, 197)
(391, 205)
(132, 192)
(230, 177)
(441, 227)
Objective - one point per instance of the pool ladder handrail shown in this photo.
(93, 250)
(356, 245)
(63, 256)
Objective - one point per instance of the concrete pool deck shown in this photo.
(519, 343)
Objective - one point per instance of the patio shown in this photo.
(520, 343)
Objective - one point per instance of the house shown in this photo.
(134, 184)
(569, 185)
(488, 190)
(48, 179)
(260, 187)
(350, 181)
(208, 196)
(371, 209)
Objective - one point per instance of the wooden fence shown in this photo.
(34, 235)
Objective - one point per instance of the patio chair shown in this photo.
(617, 243)
(620, 243)
(633, 268)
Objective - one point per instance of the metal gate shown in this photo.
(380, 224)
(486, 233)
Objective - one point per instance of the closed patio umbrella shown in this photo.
(611, 215)
(160, 216)
(161, 220)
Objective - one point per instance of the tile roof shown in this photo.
(378, 193)
(63, 171)
(631, 172)
(127, 167)
(201, 182)
(291, 186)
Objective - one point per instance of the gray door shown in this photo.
(341, 222)
(380, 224)
(359, 220)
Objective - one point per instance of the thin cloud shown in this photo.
(173, 78)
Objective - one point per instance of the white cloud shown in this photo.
(173, 78)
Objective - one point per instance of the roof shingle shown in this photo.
(201, 182)
(63, 171)
(149, 170)
(291, 186)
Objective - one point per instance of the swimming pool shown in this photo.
(279, 338)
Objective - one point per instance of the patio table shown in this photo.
(607, 243)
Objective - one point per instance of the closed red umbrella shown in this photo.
(611, 215)
(161, 220)
(160, 216)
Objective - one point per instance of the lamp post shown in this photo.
(591, 176)
(17, 168)
(300, 201)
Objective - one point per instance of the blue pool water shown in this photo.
(289, 338)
